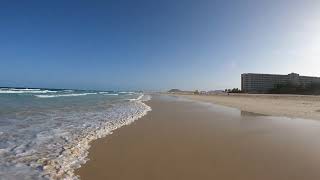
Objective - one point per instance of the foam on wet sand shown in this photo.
(187, 139)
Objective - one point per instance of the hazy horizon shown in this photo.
(152, 45)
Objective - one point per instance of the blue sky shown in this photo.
(155, 45)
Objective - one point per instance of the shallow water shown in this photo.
(44, 134)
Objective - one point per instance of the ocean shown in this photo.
(45, 133)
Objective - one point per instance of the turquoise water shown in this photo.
(44, 133)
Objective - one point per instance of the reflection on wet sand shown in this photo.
(246, 113)
(191, 140)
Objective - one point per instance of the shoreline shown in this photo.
(73, 157)
(189, 140)
(49, 137)
(292, 106)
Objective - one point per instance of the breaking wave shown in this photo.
(114, 94)
(20, 91)
(63, 95)
(52, 143)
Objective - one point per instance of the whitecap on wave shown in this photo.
(20, 91)
(51, 144)
(113, 94)
(63, 95)
(103, 92)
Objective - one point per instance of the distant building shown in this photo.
(262, 83)
(203, 92)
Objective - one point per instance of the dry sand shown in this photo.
(300, 106)
(186, 140)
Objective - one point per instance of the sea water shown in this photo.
(45, 133)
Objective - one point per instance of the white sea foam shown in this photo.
(103, 92)
(137, 99)
(26, 89)
(63, 95)
(20, 91)
(54, 151)
(114, 94)
(145, 98)
(126, 92)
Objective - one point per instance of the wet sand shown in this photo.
(187, 140)
(301, 106)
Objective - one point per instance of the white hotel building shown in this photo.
(262, 83)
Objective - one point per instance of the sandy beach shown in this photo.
(185, 139)
(299, 106)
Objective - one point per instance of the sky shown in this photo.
(153, 44)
